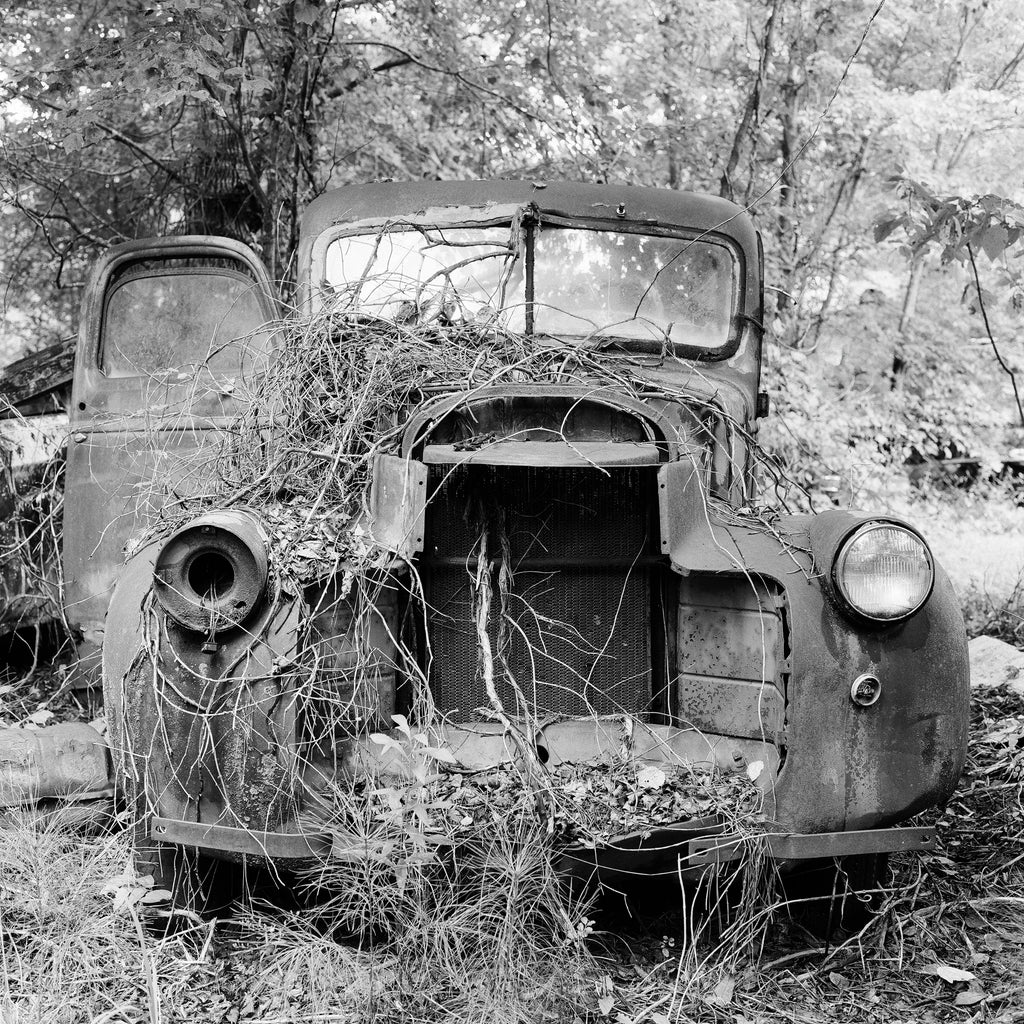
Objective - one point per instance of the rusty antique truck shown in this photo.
(655, 600)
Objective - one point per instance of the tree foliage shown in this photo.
(124, 119)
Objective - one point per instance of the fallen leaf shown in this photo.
(605, 1004)
(650, 777)
(946, 973)
(754, 770)
(969, 998)
(722, 994)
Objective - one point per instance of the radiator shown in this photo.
(577, 630)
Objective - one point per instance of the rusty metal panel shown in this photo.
(115, 481)
(654, 421)
(728, 627)
(229, 839)
(350, 636)
(398, 499)
(730, 652)
(209, 736)
(687, 522)
(67, 762)
(580, 454)
(719, 849)
(846, 767)
(203, 735)
(734, 707)
(28, 381)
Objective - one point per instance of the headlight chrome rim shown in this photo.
(840, 581)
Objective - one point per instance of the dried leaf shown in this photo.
(969, 998)
(650, 777)
(722, 994)
(951, 975)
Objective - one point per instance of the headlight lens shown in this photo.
(884, 571)
(210, 575)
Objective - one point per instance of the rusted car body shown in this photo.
(34, 393)
(703, 631)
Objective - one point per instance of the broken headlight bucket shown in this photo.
(210, 575)
(883, 571)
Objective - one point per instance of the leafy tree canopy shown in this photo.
(123, 119)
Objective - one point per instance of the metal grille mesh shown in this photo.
(577, 616)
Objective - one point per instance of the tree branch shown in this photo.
(118, 136)
(992, 340)
(751, 112)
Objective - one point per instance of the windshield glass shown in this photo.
(464, 274)
(585, 284)
(180, 319)
(615, 285)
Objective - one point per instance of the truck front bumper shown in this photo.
(813, 846)
(688, 849)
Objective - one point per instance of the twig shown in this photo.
(992, 341)
(800, 954)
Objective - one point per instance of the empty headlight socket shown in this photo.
(211, 574)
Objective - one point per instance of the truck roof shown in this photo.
(654, 206)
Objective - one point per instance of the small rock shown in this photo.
(994, 662)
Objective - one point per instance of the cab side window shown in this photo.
(181, 314)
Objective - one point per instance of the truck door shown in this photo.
(171, 329)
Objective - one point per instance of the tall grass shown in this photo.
(73, 946)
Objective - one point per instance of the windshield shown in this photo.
(647, 290)
(465, 273)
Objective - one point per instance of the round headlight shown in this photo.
(210, 575)
(884, 571)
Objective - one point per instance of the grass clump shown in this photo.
(1000, 615)
(72, 942)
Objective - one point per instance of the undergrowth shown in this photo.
(944, 946)
(72, 944)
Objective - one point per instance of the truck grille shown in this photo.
(576, 637)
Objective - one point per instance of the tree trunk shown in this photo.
(910, 295)
(752, 111)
